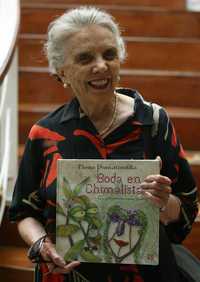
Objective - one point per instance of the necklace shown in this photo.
(111, 124)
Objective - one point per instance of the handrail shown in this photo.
(8, 102)
(3, 97)
(5, 164)
(9, 27)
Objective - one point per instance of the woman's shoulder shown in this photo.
(147, 112)
(140, 101)
(49, 123)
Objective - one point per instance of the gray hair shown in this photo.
(69, 23)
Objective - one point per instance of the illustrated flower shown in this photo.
(133, 217)
(121, 216)
(114, 217)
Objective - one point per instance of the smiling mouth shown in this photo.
(99, 83)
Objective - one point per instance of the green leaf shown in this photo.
(82, 199)
(66, 188)
(90, 257)
(66, 230)
(74, 251)
(96, 221)
(96, 240)
(78, 187)
(60, 210)
(92, 211)
(77, 213)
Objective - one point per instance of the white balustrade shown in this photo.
(9, 25)
(6, 160)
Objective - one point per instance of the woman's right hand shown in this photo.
(56, 263)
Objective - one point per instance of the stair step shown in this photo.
(175, 4)
(17, 275)
(15, 257)
(187, 128)
(192, 240)
(183, 119)
(143, 53)
(134, 20)
(9, 234)
(179, 112)
(14, 265)
(164, 88)
(193, 157)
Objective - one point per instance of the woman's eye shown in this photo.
(110, 54)
(84, 58)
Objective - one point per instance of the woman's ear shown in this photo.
(61, 75)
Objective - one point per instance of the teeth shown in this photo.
(99, 82)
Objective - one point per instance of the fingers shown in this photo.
(157, 189)
(67, 268)
(58, 260)
(158, 178)
(160, 161)
(53, 268)
(158, 199)
(57, 264)
(48, 252)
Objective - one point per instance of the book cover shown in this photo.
(102, 215)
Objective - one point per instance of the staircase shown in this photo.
(163, 42)
(14, 265)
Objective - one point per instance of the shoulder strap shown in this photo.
(148, 143)
(150, 131)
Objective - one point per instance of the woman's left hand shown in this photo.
(157, 189)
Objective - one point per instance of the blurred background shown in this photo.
(163, 64)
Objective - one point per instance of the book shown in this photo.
(102, 215)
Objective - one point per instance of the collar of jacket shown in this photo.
(143, 111)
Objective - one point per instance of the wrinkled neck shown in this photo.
(100, 112)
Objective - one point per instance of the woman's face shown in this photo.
(92, 63)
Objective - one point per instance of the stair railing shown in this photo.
(9, 26)
(4, 173)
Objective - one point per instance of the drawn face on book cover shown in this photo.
(124, 231)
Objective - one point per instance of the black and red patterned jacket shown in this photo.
(64, 134)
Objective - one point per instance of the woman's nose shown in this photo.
(100, 66)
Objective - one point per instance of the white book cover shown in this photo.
(102, 215)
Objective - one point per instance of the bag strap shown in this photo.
(148, 142)
(147, 135)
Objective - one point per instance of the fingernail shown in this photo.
(148, 194)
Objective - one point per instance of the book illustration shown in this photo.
(83, 217)
(125, 229)
(104, 223)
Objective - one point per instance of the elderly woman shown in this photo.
(85, 51)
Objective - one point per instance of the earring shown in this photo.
(66, 84)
